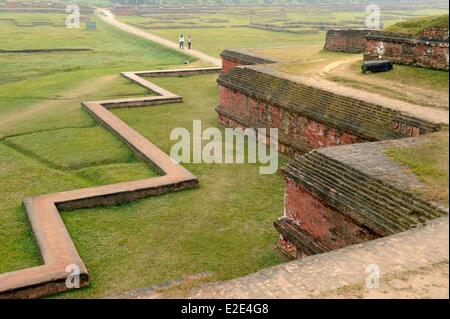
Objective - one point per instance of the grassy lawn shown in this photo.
(429, 161)
(223, 227)
(214, 41)
(48, 144)
(417, 25)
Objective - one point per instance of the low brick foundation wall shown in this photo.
(422, 51)
(350, 41)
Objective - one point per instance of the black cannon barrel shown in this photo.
(377, 66)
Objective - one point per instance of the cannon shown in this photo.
(377, 66)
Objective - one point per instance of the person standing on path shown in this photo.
(182, 42)
(189, 42)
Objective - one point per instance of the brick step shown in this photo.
(377, 183)
(370, 202)
(300, 238)
(357, 211)
(378, 191)
(363, 201)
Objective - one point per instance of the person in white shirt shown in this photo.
(182, 42)
(189, 42)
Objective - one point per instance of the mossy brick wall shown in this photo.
(330, 204)
(420, 51)
(297, 134)
(351, 41)
(307, 117)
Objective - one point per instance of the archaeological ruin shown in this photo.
(429, 50)
(340, 188)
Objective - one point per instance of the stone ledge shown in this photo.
(246, 57)
(311, 276)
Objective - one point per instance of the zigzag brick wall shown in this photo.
(422, 51)
(351, 41)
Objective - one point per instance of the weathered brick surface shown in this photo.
(233, 58)
(310, 277)
(298, 134)
(307, 117)
(321, 222)
(422, 51)
(351, 41)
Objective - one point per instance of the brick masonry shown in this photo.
(329, 204)
(346, 40)
(307, 117)
(233, 58)
(345, 195)
(313, 276)
(429, 50)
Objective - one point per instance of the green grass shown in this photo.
(429, 161)
(223, 227)
(77, 147)
(417, 25)
(393, 83)
(48, 144)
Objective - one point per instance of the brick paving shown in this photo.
(313, 276)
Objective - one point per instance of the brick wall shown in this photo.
(307, 117)
(321, 212)
(351, 41)
(320, 223)
(233, 58)
(297, 133)
(423, 51)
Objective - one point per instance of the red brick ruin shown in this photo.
(328, 205)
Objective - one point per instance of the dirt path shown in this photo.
(108, 17)
(422, 96)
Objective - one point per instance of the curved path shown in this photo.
(109, 18)
(57, 250)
